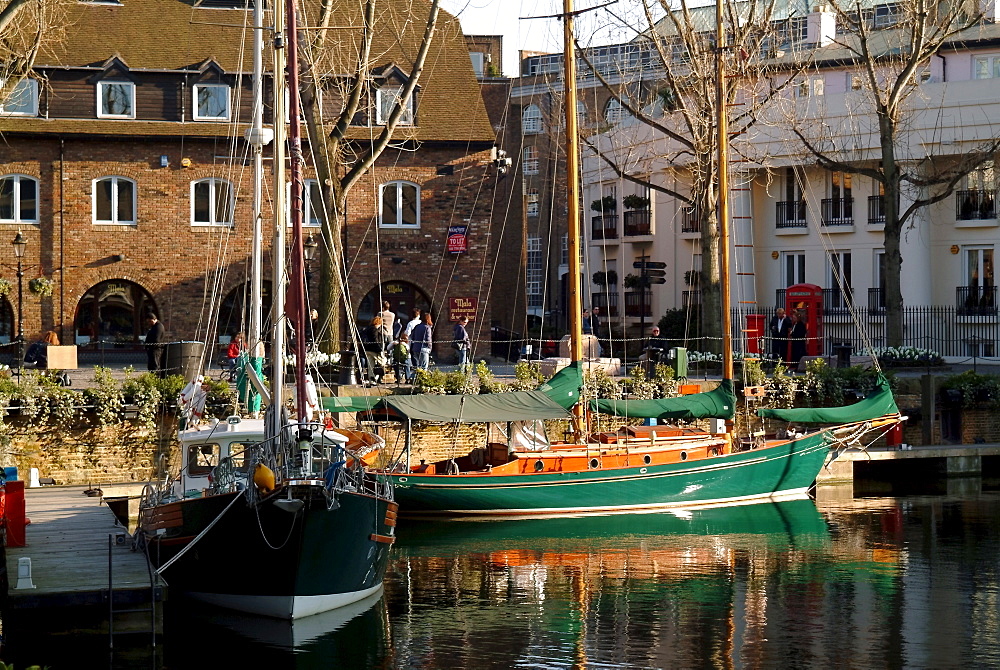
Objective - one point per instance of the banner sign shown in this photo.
(459, 307)
(457, 239)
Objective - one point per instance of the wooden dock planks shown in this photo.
(67, 541)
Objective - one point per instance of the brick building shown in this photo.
(123, 164)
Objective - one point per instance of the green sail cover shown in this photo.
(719, 403)
(350, 403)
(564, 387)
(877, 403)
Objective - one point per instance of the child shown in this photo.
(401, 359)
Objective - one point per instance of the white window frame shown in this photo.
(308, 220)
(986, 66)
(793, 268)
(614, 111)
(531, 120)
(198, 116)
(855, 81)
(115, 195)
(27, 87)
(985, 269)
(529, 160)
(840, 261)
(478, 59)
(213, 201)
(386, 98)
(129, 86)
(807, 87)
(533, 204)
(398, 223)
(18, 179)
(533, 272)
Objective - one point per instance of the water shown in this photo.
(863, 583)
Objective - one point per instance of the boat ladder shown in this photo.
(127, 613)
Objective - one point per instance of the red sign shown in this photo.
(458, 239)
(459, 307)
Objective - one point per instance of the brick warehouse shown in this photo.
(116, 166)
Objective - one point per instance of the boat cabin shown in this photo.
(204, 447)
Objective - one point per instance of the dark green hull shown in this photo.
(266, 560)
(779, 471)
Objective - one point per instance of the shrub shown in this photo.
(976, 390)
(894, 357)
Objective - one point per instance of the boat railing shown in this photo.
(309, 453)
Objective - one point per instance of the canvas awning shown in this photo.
(876, 404)
(486, 408)
(719, 403)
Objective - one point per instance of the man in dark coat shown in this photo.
(154, 345)
(780, 325)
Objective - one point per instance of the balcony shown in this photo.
(637, 222)
(876, 301)
(835, 301)
(837, 211)
(691, 221)
(790, 214)
(691, 299)
(975, 205)
(638, 303)
(608, 302)
(605, 227)
(876, 210)
(976, 301)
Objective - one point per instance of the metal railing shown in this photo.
(690, 298)
(876, 210)
(976, 300)
(837, 211)
(790, 214)
(691, 221)
(975, 204)
(605, 227)
(637, 222)
(638, 303)
(608, 302)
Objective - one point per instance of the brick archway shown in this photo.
(402, 296)
(113, 310)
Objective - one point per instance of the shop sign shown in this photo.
(457, 239)
(459, 307)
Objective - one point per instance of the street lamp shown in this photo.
(20, 243)
(309, 248)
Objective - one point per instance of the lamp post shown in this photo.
(20, 243)
(309, 248)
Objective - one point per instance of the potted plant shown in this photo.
(5, 287)
(41, 286)
(634, 201)
(609, 278)
(692, 277)
(607, 204)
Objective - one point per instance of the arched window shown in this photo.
(18, 199)
(113, 311)
(114, 201)
(529, 164)
(400, 205)
(614, 112)
(531, 120)
(211, 202)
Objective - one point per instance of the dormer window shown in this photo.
(116, 99)
(22, 100)
(387, 97)
(211, 102)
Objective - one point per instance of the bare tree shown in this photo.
(671, 109)
(885, 131)
(25, 27)
(337, 74)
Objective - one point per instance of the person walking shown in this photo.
(388, 318)
(461, 343)
(401, 366)
(413, 323)
(154, 345)
(421, 341)
(780, 324)
(375, 341)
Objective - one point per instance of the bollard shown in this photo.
(24, 574)
(33, 478)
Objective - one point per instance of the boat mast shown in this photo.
(278, 244)
(257, 138)
(296, 279)
(722, 169)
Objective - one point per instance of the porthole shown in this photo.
(402, 480)
(642, 471)
(684, 455)
(594, 464)
(647, 459)
(539, 465)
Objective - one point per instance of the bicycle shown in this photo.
(227, 372)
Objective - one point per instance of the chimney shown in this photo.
(821, 26)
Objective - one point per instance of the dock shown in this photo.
(959, 460)
(70, 551)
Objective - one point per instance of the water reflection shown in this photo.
(844, 582)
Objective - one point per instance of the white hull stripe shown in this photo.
(284, 607)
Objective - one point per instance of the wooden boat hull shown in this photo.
(783, 470)
(267, 560)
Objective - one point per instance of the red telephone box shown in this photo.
(807, 301)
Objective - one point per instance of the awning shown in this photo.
(876, 404)
(719, 403)
(486, 408)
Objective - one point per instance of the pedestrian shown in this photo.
(401, 360)
(780, 324)
(375, 340)
(655, 346)
(154, 345)
(413, 323)
(595, 321)
(388, 318)
(421, 341)
(37, 353)
(587, 324)
(461, 343)
(797, 332)
(237, 346)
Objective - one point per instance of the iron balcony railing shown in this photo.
(608, 302)
(691, 221)
(637, 222)
(876, 210)
(790, 214)
(691, 299)
(975, 204)
(836, 301)
(605, 227)
(838, 211)
(876, 301)
(976, 300)
(638, 303)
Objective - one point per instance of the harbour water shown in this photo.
(877, 582)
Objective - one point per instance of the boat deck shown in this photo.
(67, 542)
